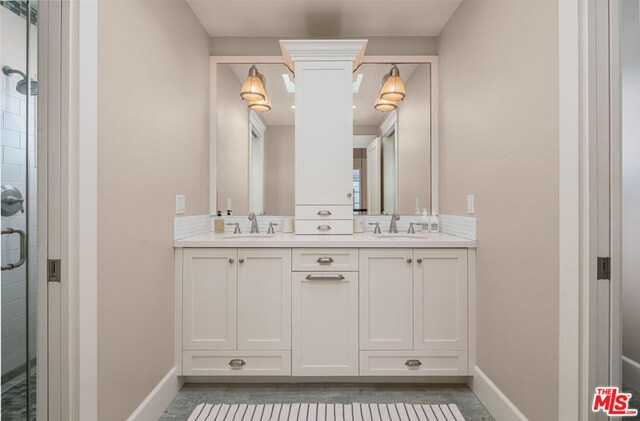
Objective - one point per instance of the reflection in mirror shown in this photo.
(255, 160)
(392, 150)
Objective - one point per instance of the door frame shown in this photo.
(67, 151)
(588, 71)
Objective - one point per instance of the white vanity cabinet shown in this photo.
(264, 299)
(209, 299)
(325, 312)
(386, 299)
(440, 299)
(413, 312)
(317, 311)
(236, 311)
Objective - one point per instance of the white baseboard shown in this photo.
(631, 373)
(493, 399)
(159, 399)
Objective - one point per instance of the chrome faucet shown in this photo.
(393, 228)
(254, 223)
(411, 230)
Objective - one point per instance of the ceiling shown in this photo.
(323, 18)
(282, 114)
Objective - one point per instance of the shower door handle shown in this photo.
(23, 248)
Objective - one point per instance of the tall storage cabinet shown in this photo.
(324, 132)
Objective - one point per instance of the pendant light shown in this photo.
(384, 105)
(261, 106)
(393, 88)
(253, 87)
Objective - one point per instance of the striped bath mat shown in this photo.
(326, 412)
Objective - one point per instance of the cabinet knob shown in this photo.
(237, 363)
(231, 260)
(413, 363)
(241, 260)
(349, 194)
(409, 260)
(419, 260)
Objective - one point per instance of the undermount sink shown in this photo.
(417, 236)
(228, 236)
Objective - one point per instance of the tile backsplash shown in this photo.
(187, 226)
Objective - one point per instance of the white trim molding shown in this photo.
(496, 402)
(153, 406)
(630, 373)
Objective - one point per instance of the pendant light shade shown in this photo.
(393, 88)
(384, 105)
(261, 106)
(253, 87)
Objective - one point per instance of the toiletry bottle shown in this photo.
(218, 223)
(434, 224)
(425, 220)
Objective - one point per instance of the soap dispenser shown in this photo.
(434, 224)
(424, 221)
(218, 223)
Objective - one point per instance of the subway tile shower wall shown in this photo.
(17, 157)
(187, 226)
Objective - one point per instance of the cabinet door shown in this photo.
(325, 324)
(264, 299)
(324, 133)
(386, 299)
(209, 299)
(440, 299)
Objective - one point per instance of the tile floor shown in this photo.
(14, 399)
(194, 394)
(635, 402)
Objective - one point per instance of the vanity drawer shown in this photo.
(324, 212)
(411, 363)
(324, 227)
(236, 363)
(325, 260)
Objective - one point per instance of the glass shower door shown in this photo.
(18, 93)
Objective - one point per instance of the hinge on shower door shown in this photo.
(53, 270)
(604, 268)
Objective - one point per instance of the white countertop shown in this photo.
(364, 240)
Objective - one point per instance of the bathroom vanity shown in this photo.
(293, 305)
(325, 301)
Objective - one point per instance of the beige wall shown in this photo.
(233, 144)
(248, 46)
(499, 141)
(630, 56)
(414, 143)
(153, 143)
(280, 170)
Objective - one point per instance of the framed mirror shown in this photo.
(253, 152)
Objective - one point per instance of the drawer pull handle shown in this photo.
(325, 278)
(324, 227)
(237, 363)
(413, 363)
(325, 260)
(324, 213)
